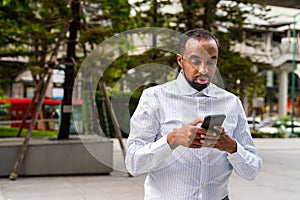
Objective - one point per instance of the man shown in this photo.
(183, 160)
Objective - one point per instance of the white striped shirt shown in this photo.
(186, 173)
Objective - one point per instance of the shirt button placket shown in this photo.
(204, 165)
(200, 105)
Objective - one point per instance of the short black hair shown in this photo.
(197, 34)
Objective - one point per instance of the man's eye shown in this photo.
(196, 62)
(210, 63)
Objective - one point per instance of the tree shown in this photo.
(33, 31)
(70, 63)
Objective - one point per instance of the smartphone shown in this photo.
(213, 120)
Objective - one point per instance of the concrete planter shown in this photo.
(58, 157)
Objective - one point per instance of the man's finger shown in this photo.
(209, 142)
(196, 144)
(220, 129)
(201, 130)
(199, 136)
(212, 134)
(196, 121)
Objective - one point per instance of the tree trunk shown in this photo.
(33, 101)
(209, 17)
(70, 62)
(23, 150)
(114, 120)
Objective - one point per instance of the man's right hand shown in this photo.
(189, 135)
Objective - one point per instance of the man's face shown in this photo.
(199, 62)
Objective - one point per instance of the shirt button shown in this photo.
(231, 158)
(202, 186)
(200, 105)
(198, 94)
(204, 164)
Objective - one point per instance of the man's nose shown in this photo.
(202, 69)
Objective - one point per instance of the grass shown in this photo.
(12, 132)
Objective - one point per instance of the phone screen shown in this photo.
(213, 120)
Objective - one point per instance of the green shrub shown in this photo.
(257, 134)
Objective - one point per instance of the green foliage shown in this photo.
(2, 94)
(257, 134)
(29, 26)
(282, 121)
(4, 107)
(12, 132)
(125, 62)
(104, 18)
(285, 118)
(238, 75)
(94, 35)
(150, 13)
(32, 30)
(118, 14)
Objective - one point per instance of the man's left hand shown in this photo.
(219, 139)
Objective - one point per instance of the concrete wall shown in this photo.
(66, 157)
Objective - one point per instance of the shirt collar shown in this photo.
(187, 90)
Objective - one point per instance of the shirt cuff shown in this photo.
(161, 147)
(238, 156)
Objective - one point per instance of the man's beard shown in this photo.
(199, 86)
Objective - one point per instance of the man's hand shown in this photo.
(219, 139)
(189, 135)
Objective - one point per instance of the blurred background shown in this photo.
(43, 44)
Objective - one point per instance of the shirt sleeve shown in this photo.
(245, 161)
(147, 150)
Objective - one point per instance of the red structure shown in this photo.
(289, 106)
(17, 108)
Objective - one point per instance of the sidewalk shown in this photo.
(279, 179)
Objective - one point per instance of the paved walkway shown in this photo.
(279, 179)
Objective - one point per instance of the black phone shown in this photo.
(213, 120)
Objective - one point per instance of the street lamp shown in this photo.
(294, 36)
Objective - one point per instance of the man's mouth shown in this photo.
(202, 80)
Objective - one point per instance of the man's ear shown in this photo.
(179, 59)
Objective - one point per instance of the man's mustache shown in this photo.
(202, 76)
